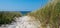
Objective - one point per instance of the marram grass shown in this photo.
(49, 14)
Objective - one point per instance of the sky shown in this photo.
(21, 5)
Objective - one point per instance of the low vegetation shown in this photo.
(7, 17)
(50, 14)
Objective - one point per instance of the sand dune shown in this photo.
(24, 22)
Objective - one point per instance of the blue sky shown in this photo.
(21, 5)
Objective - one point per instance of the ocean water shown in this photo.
(25, 12)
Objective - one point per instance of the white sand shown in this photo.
(27, 22)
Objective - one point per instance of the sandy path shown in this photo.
(27, 22)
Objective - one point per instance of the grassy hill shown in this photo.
(49, 14)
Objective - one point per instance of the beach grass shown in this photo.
(7, 17)
(49, 14)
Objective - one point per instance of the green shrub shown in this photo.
(7, 17)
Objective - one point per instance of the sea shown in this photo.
(24, 12)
